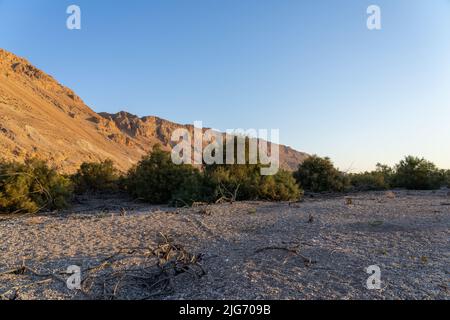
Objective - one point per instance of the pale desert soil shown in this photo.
(244, 247)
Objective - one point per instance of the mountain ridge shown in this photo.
(39, 117)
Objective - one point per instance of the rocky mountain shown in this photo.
(41, 118)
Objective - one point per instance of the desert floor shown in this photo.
(317, 249)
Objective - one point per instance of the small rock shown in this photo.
(390, 195)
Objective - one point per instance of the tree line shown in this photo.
(33, 186)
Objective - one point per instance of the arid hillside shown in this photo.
(41, 118)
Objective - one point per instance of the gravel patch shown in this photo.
(317, 249)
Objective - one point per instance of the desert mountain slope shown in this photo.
(41, 118)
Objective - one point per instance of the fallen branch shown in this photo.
(294, 250)
(153, 273)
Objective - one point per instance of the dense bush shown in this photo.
(317, 174)
(368, 181)
(235, 182)
(410, 173)
(245, 182)
(280, 187)
(96, 176)
(387, 172)
(157, 180)
(417, 174)
(446, 174)
(380, 179)
(195, 188)
(32, 187)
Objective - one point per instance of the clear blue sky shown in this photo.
(310, 68)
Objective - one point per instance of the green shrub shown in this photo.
(417, 174)
(157, 180)
(445, 178)
(240, 182)
(195, 188)
(234, 182)
(446, 175)
(369, 181)
(280, 187)
(317, 174)
(387, 172)
(32, 187)
(245, 182)
(96, 176)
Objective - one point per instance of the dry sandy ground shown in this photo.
(318, 249)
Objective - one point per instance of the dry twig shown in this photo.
(152, 273)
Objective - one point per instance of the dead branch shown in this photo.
(152, 274)
(292, 250)
(226, 195)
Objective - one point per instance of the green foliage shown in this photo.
(368, 181)
(417, 174)
(157, 180)
(236, 182)
(240, 182)
(245, 182)
(32, 187)
(195, 188)
(317, 174)
(380, 179)
(96, 176)
(446, 175)
(387, 172)
(280, 187)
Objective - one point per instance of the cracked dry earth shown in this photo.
(317, 249)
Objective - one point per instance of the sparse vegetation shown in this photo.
(410, 173)
(32, 187)
(96, 177)
(319, 175)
